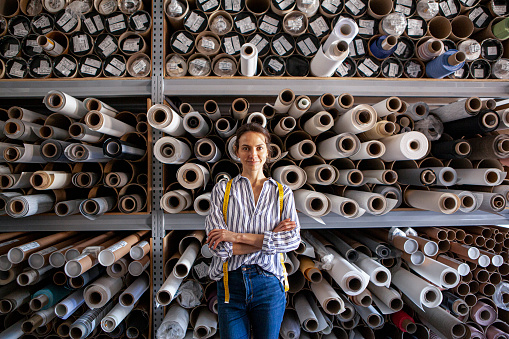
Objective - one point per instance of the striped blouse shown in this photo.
(244, 217)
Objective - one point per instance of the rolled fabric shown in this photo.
(373, 203)
(95, 207)
(101, 291)
(352, 281)
(381, 129)
(406, 146)
(446, 203)
(327, 297)
(418, 111)
(312, 203)
(345, 207)
(359, 119)
(387, 106)
(65, 104)
(207, 151)
(370, 316)
(318, 123)
(389, 296)
(339, 146)
(307, 267)
(307, 317)
(460, 109)
(322, 174)
(22, 130)
(106, 124)
(50, 180)
(383, 177)
(28, 153)
(483, 123)
(69, 305)
(86, 324)
(175, 323)
(285, 126)
(14, 181)
(120, 149)
(196, 125)
(16, 112)
(416, 289)
(379, 275)
(206, 324)
(284, 100)
(417, 176)
(292, 176)
(390, 192)
(85, 153)
(455, 149)
(302, 150)
(290, 327)
(27, 205)
(326, 61)
(168, 290)
(183, 266)
(176, 201)
(480, 176)
(200, 176)
(248, 60)
(169, 150)
(438, 273)
(164, 118)
(258, 118)
(226, 127)
(300, 106)
(93, 104)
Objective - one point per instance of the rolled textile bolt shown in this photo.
(349, 278)
(22, 130)
(458, 110)
(446, 203)
(39, 319)
(49, 180)
(114, 318)
(47, 297)
(340, 146)
(416, 289)
(65, 104)
(93, 104)
(101, 291)
(384, 177)
(85, 278)
(417, 176)
(106, 124)
(285, 126)
(404, 322)
(164, 118)
(14, 331)
(69, 305)
(323, 103)
(137, 267)
(320, 174)
(258, 118)
(168, 290)
(226, 127)
(33, 276)
(14, 300)
(302, 150)
(86, 324)
(239, 108)
(212, 110)
(379, 275)
(360, 119)
(300, 105)
(170, 150)
(183, 266)
(369, 150)
(80, 131)
(19, 113)
(349, 177)
(307, 318)
(284, 101)
(202, 204)
(290, 327)
(196, 125)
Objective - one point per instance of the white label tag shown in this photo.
(278, 47)
(482, 19)
(303, 48)
(209, 4)
(393, 70)
(20, 30)
(70, 25)
(351, 7)
(65, 67)
(107, 7)
(405, 2)
(236, 43)
(275, 65)
(270, 20)
(31, 245)
(64, 19)
(492, 50)
(139, 66)
(479, 73)
(459, 73)
(371, 64)
(98, 23)
(225, 66)
(208, 43)
(228, 46)
(342, 69)
(112, 70)
(120, 244)
(43, 21)
(121, 66)
(310, 45)
(90, 25)
(401, 48)
(93, 63)
(319, 26)
(268, 28)
(365, 70)
(139, 21)
(360, 47)
(132, 45)
(117, 27)
(403, 9)
(452, 7)
(115, 19)
(85, 69)
(285, 4)
(475, 13)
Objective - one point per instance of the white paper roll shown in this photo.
(491, 202)
(373, 203)
(339, 146)
(345, 207)
(174, 324)
(169, 150)
(446, 203)
(284, 101)
(248, 60)
(346, 29)
(226, 127)
(50, 180)
(357, 120)
(202, 204)
(307, 317)
(176, 201)
(379, 275)
(164, 118)
(101, 291)
(300, 106)
(416, 289)
(206, 324)
(324, 64)
(389, 296)
(93, 104)
(193, 176)
(106, 124)
(349, 177)
(327, 297)
(134, 292)
(186, 261)
(312, 203)
(231, 150)
(115, 317)
(294, 263)
(504, 119)
(285, 126)
(381, 177)
(257, 116)
(319, 123)
(352, 280)
(196, 125)
(369, 150)
(322, 174)
(168, 291)
(302, 150)
(65, 104)
(446, 176)
(387, 106)
(85, 153)
(480, 176)
(406, 146)
(437, 273)
(292, 176)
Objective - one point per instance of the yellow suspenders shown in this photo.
(225, 264)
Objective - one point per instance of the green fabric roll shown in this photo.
(501, 29)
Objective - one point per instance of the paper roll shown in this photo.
(164, 118)
(49, 180)
(80, 131)
(106, 124)
(307, 317)
(292, 176)
(169, 150)
(176, 201)
(226, 127)
(405, 146)
(416, 289)
(387, 106)
(417, 176)
(300, 106)
(318, 123)
(378, 274)
(312, 203)
(339, 146)
(239, 108)
(183, 266)
(114, 318)
(326, 61)
(285, 126)
(346, 29)
(351, 280)
(284, 101)
(101, 291)
(175, 323)
(65, 104)
(196, 125)
(460, 109)
(438, 273)
(308, 269)
(206, 324)
(384, 177)
(302, 150)
(22, 130)
(93, 104)
(348, 177)
(95, 207)
(212, 110)
(85, 153)
(320, 174)
(373, 203)
(19, 113)
(389, 296)
(381, 129)
(369, 150)
(360, 119)
(69, 305)
(480, 176)
(27, 205)
(370, 316)
(193, 176)
(248, 60)
(14, 181)
(446, 203)
(110, 255)
(290, 327)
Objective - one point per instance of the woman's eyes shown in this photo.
(259, 148)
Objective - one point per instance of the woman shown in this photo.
(249, 244)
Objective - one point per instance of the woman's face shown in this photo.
(252, 151)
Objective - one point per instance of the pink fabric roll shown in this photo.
(483, 314)
(494, 333)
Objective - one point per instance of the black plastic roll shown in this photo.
(42, 23)
(232, 42)
(450, 149)
(116, 23)
(270, 23)
(485, 122)
(119, 149)
(245, 23)
(297, 66)
(319, 25)
(347, 69)
(53, 150)
(274, 66)
(262, 43)
(93, 23)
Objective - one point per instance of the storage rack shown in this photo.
(158, 87)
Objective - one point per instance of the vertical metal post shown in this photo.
(157, 168)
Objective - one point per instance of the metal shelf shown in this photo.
(193, 221)
(316, 86)
(118, 87)
(115, 222)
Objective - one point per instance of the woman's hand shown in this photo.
(218, 235)
(285, 225)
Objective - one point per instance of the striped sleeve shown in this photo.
(280, 242)
(215, 220)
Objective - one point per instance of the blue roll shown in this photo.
(378, 51)
(439, 67)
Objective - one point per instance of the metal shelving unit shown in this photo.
(158, 86)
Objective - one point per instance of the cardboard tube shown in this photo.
(462, 27)
(416, 289)
(113, 253)
(438, 273)
(19, 113)
(387, 106)
(380, 130)
(54, 43)
(293, 176)
(137, 267)
(312, 203)
(307, 267)
(168, 290)
(257, 7)
(379, 8)
(18, 254)
(340, 146)
(439, 27)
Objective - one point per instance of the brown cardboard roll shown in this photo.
(176, 11)
(439, 27)
(132, 198)
(379, 8)
(9, 8)
(130, 43)
(224, 65)
(199, 65)
(118, 173)
(462, 27)
(220, 23)
(56, 126)
(257, 7)
(139, 65)
(208, 43)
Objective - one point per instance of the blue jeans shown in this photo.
(257, 301)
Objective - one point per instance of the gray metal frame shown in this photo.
(158, 87)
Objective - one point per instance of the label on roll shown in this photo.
(117, 246)
(30, 246)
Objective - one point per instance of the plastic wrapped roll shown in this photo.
(292, 176)
(105, 124)
(458, 110)
(169, 150)
(345, 29)
(27, 205)
(192, 176)
(85, 153)
(359, 119)
(340, 146)
(325, 62)
(162, 117)
(22, 130)
(446, 203)
(405, 146)
(248, 60)
(175, 323)
(196, 125)
(95, 207)
(369, 150)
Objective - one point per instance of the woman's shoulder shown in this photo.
(286, 189)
